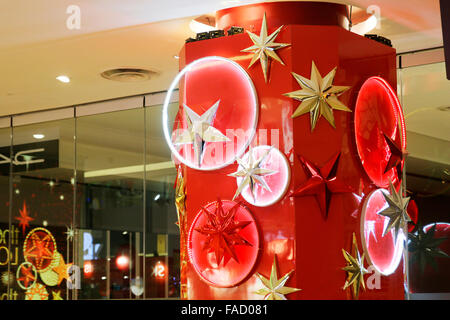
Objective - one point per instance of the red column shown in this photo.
(295, 228)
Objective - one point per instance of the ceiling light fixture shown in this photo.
(62, 78)
(365, 26)
(38, 136)
(203, 24)
(128, 74)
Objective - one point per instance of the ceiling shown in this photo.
(36, 45)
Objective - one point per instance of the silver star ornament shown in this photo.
(200, 130)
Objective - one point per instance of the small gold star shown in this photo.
(355, 269)
(56, 295)
(318, 96)
(274, 288)
(252, 173)
(180, 197)
(396, 210)
(264, 47)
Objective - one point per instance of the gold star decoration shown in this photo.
(396, 210)
(252, 173)
(274, 288)
(200, 130)
(318, 96)
(57, 295)
(62, 269)
(69, 233)
(264, 47)
(180, 198)
(355, 269)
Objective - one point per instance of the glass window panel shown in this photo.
(7, 278)
(425, 95)
(110, 155)
(162, 245)
(43, 209)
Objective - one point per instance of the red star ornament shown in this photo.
(397, 154)
(26, 275)
(222, 232)
(24, 218)
(322, 183)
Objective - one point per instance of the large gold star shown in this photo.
(274, 288)
(200, 130)
(264, 47)
(396, 210)
(62, 269)
(318, 96)
(252, 173)
(355, 269)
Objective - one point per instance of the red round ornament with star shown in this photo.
(39, 248)
(380, 131)
(223, 243)
(212, 126)
(384, 252)
(26, 275)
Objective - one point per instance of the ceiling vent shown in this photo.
(128, 74)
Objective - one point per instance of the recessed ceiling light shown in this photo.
(63, 78)
(38, 136)
(176, 57)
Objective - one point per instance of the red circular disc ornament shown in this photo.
(380, 131)
(271, 184)
(223, 231)
(384, 253)
(212, 126)
(39, 248)
(26, 275)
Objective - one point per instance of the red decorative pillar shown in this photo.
(307, 226)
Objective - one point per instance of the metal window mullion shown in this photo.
(108, 263)
(11, 132)
(144, 210)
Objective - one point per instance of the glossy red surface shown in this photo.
(236, 113)
(229, 272)
(293, 228)
(384, 253)
(413, 212)
(322, 183)
(378, 113)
